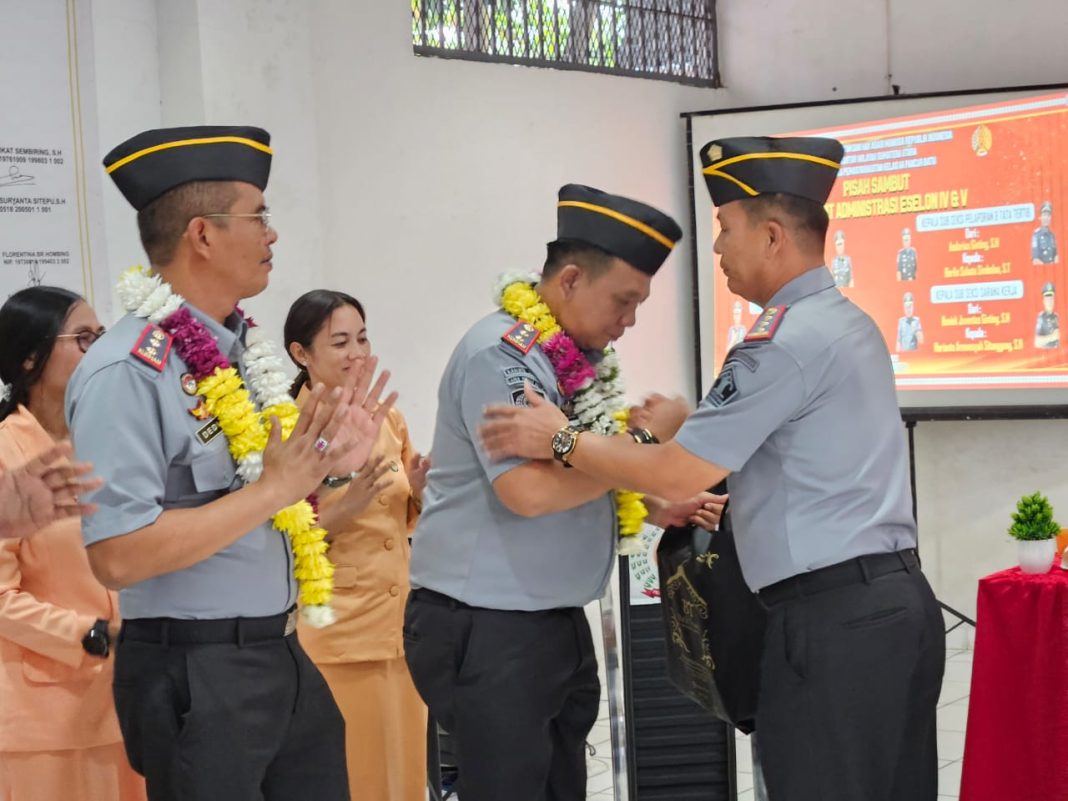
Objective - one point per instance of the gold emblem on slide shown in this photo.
(982, 140)
(714, 153)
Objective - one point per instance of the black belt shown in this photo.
(239, 630)
(423, 595)
(854, 571)
(438, 599)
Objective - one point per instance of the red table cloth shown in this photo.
(1016, 746)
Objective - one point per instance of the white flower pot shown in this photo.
(1036, 556)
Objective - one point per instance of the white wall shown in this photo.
(411, 182)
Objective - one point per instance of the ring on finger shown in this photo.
(321, 445)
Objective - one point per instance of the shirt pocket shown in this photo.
(40, 669)
(213, 470)
(346, 576)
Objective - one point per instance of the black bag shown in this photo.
(714, 623)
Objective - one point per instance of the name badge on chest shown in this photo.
(209, 431)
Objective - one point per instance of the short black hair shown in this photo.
(563, 252)
(803, 215)
(163, 221)
(306, 318)
(30, 321)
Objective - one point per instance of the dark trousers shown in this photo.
(518, 692)
(850, 681)
(243, 722)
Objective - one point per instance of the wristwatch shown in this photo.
(96, 641)
(564, 442)
(643, 436)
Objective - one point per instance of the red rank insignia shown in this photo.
(521, 336)
(153, 346)
(766, 325)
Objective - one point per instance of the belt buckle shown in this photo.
(291, 623)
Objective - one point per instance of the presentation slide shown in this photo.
(946, 226)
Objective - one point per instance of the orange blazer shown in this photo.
(371, 556)
(53, 695)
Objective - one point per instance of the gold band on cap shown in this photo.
(638, 225)
(745, 187)
(209, 140)
(834, 165)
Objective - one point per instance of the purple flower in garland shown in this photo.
(572, 368)
(195, 344)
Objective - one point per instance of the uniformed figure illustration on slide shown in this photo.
(909, 330)
(841, 265)
(1043, 242)
(736, 333)
(1048, 324)
(906, 258)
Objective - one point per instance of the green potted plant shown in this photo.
(1034, 529)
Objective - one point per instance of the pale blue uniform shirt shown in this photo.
(467, 544)
(133, 422)
(807, 422)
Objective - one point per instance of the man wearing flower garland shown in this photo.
(804, 417)
(215, 697)
(506, 554)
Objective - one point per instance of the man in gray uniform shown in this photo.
(215, 697)
(909, 330)
(1048, 324)
(1043, 242)
(841, 265)
(506, 554)
(906, 258)
(804, 418)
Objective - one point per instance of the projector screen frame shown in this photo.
(1046, 411)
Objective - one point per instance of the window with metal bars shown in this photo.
(671, 40)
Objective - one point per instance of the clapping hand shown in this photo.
(44, 490)
(366, 413)
(418, 466)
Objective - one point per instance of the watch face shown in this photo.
(563, 441)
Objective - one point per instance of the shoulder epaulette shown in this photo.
(153, 347)
(521, 336)
(766, 324)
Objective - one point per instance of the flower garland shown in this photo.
(226, 397)
(597, 392)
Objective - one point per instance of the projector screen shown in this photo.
(946, 227)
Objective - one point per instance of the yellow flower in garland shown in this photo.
(246, 432)
(596, 392)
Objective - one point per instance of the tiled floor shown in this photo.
(952, 718)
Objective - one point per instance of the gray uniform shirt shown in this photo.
(842, 269)
(808, 423)
(133, 422)
(908, 330)
(467, 544)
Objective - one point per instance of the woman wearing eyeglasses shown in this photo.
(59, 736)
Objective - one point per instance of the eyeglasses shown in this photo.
(84, 339)
(263, 216)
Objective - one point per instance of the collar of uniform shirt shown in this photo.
(808, 283)
(230, 335)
